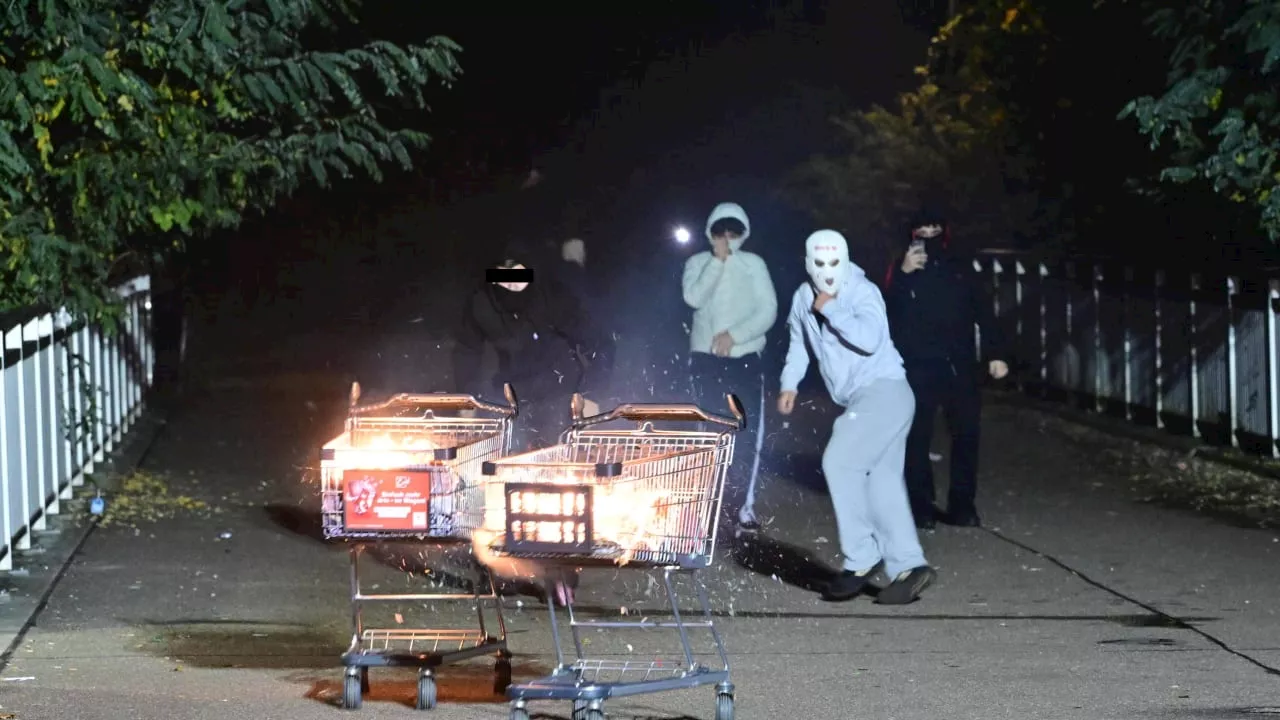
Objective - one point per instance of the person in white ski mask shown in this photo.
(734, 306)
(842, 316)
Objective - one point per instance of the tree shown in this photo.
(955, 141)
(1219, 113)
(128, 129)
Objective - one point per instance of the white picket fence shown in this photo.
(70, 393)
(1195, 353)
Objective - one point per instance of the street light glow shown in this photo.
(682, 235)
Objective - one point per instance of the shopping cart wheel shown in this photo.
(426, 690)
(580, 709)
(724, 706)
(501, 676)
(519, 713)
(351, 691)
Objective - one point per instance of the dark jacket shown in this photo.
(537, 333)
(933, 312)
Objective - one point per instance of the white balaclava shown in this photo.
(826, 259)
(730, 210)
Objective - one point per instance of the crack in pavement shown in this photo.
(1173, 620)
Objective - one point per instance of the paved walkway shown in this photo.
(1078, 601)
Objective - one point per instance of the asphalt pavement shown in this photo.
(1075, 601)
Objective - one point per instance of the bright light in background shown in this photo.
(682, 235)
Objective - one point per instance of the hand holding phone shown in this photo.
(916, 258)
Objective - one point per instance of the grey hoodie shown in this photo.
(850, 338)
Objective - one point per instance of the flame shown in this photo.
(387, 452)
(624, 514)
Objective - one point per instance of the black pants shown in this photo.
(713, 377)
(954, 388)
(543, 416)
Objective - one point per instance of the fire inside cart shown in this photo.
(409, 470)
(608, 497)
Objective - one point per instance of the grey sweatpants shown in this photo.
(863, 467)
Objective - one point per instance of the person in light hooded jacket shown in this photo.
(734, 307)
(841, 314)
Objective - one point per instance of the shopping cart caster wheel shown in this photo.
(501, 676)
(519, 714)
(580, 709)
(352, 695)
(724, 707)
(426, 691)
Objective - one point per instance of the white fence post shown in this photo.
(53, 429)
(1233, 406)
(1159, 350)
(1193, 340)
(1042, 274)
(1098, 404)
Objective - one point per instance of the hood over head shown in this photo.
(928, 217)
(526, 253)
(826, 259)
(730, 210)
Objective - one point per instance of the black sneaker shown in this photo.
(907, 586)
(970, 519)
(849, 584)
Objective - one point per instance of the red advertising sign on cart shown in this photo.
(386, 499)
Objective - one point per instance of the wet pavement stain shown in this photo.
(472, 682)
(229, 644)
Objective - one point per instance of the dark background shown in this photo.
(640, 117)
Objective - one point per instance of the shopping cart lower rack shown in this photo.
(641, 498)
(408, 470)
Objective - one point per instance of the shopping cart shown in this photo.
(408, 470)
(641, 498)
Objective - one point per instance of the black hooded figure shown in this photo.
(546, 346)
(934, 303)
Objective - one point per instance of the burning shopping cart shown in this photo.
(607, 497)
(409, 470)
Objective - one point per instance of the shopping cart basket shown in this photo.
(408, 470)
(641, 498)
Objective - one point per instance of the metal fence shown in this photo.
(1191, 352)
(70, 392)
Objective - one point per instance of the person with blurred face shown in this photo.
(934, 304)
(547, 349)
(734, 307)
(841, 315)
(542, 335)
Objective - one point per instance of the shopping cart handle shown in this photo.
(435, 401)
(674, 412)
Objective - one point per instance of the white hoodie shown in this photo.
(734, 295)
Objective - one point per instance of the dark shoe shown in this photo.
(962, 519)
(907, 586)
(926, 519)
(849, 584)
(878, 578)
